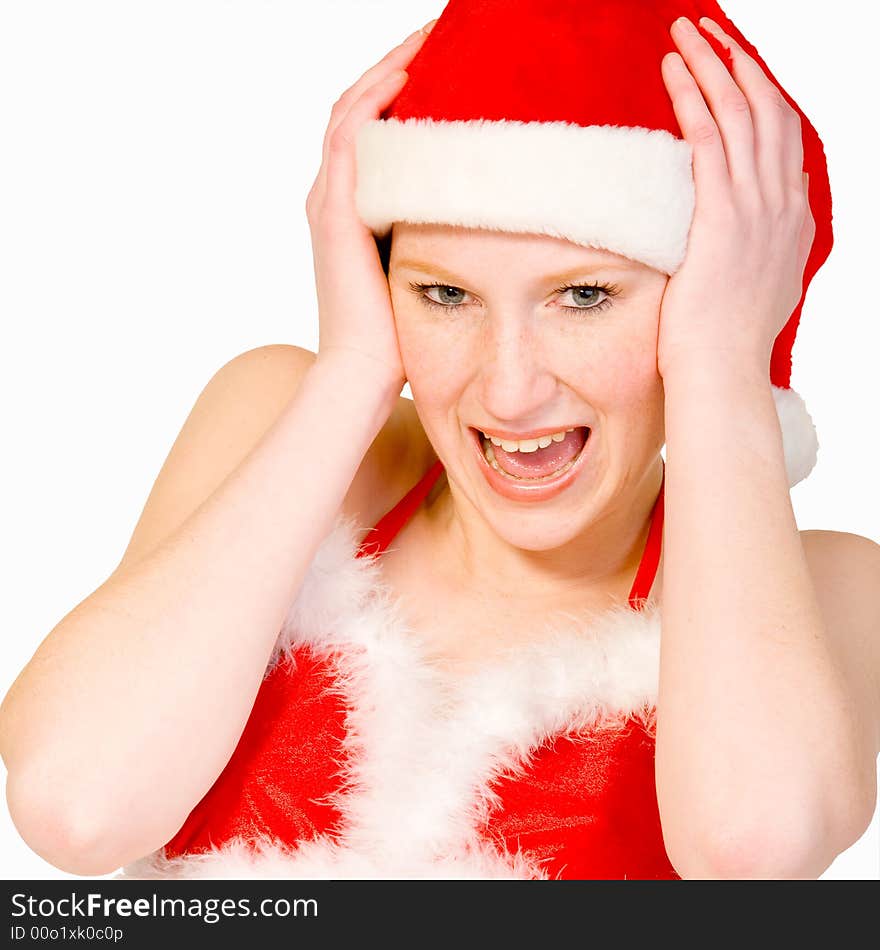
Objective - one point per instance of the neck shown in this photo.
(602, 560)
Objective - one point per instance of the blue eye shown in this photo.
(592, 296)
(443, 289)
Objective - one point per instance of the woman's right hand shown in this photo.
(354, 302)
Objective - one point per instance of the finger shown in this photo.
(808, 231)
(341, 165)
(725, 99)
(697, 126)
(779, 149)
(399, 58)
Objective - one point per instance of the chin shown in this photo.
(539, 530)
(530, 541)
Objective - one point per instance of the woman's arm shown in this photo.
(765, 741)
(765, 763)
(133, 704)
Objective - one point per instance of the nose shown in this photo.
(516, 382)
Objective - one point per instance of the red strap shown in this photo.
(651, 556)
(386, 528)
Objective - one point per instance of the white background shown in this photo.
(155, 158)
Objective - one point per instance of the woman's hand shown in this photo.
(752, 229)
(354, 302)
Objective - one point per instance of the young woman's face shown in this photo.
(498, 343)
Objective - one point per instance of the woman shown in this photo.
(406, 737)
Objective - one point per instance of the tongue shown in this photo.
(543, 461)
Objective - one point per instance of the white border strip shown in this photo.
(626, 189)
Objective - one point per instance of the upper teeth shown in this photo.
(528, 445)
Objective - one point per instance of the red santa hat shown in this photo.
(553, 118)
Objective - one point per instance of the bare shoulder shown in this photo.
(845, 569)
(236, 407)
(840, 552)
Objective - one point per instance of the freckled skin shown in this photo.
(510, 356)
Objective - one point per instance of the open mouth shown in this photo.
(531, 463)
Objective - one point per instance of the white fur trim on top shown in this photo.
(422, 745)
(627, 189)
(325, 859)
(799, 439)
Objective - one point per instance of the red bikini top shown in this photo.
(388, 526)
(585, 809)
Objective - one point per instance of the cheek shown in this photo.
(619, 375)
(435, 360)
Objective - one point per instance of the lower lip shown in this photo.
(524, 489)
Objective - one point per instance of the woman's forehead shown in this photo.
(441, 243)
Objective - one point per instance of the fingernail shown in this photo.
(676, 62)
(426, 29)
(684, 24)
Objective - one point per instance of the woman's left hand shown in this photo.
(752, 229)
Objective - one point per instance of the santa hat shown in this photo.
(553, 118)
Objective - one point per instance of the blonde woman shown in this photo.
(393, 639)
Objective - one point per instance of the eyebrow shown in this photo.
(428, 268)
